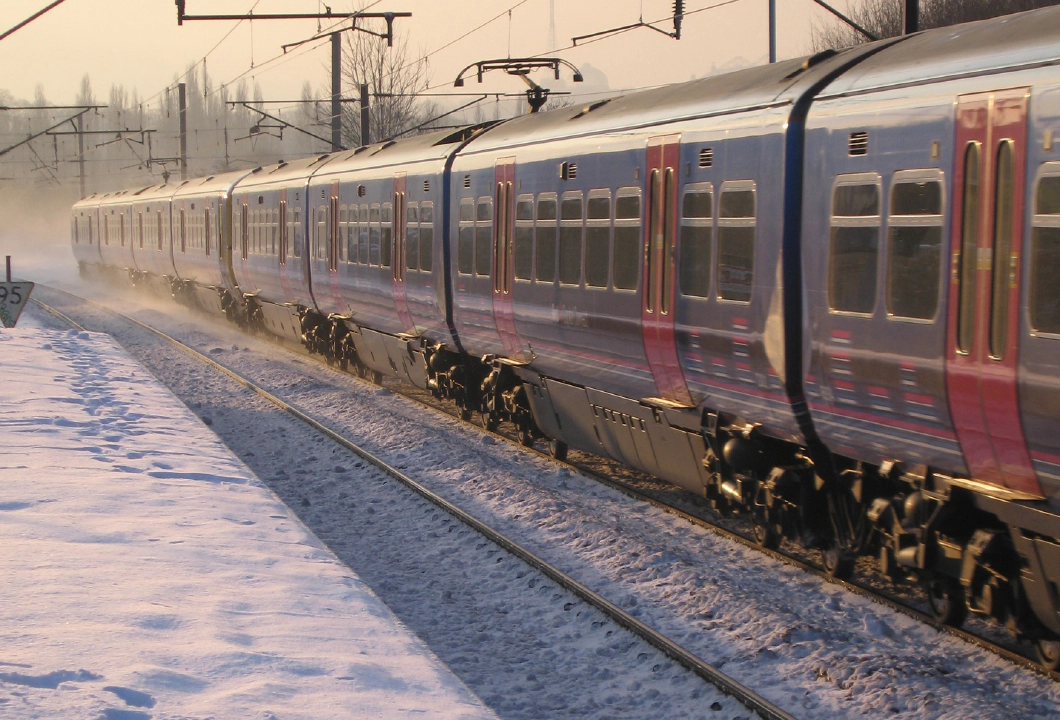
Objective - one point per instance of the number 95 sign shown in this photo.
(13, 297)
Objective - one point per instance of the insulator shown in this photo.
(679, 14)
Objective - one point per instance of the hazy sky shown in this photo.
(137, 43)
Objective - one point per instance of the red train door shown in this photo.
(983, 324)
(397, 257)
(503, 229)
(660, 253)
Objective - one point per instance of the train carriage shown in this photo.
(378, 274)
(269, 223)
(152, 244)
(84, 235)
(115, 233)
(624, 256)
(201, 247)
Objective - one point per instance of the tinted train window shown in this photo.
(426, 236)
(1045, 255)
(545, 240)
(598, 241)
(969, 255)
(364, 232)
(466, 242)
(523, 250)
(387, 230)
(854, 245)
(625, 260)
(412, 236)
(697, 231)
(570, 241)
(483, 236)
(914, 245)
(736, 241)
(373, 234)
(1004, 199)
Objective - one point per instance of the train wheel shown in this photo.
(526, 438)
(946, 598)
(488, 420)
(838, 562)
(465, 413)
(557, 449)
(764, 532)
(377, 377)
(1048, 652)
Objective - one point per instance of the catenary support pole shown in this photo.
(336, 91)
(365, 135)
(912, 16)
(81, 152)
(182, 101)
(772, 31)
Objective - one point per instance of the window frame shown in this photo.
(596, 194)
(525, 225)
(705, 187)
(637, 222)
(897, 178)
(720, 222)
(1037, 220)
(877, 221)
(570, 223)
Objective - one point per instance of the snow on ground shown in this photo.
(147, 573)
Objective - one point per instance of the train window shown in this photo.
(344, 224)
(697, 235)
(625, 259)
(854, 245)
(466, 249)
(373, 234)
(1004, 199)
(914, 244)
(483, 236)
(570, 240)
(523, 250)
(969, 255)
(1045, 254)
(351, 235)
(206, 221)
(296, 244)
(426, 236)
(364, 234)
(545, 239)
(386, 238)
(736, 241)
(598, 239)
(412, 236)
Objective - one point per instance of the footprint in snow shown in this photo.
(135, 698)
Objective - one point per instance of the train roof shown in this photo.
(211, 184)
(758, 87)
(436, 145)
(283, 171)
(987, 46)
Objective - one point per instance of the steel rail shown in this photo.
(747, 697)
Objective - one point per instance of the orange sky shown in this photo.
(137, 43)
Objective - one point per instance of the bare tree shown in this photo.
(392, 79)
(884, 18)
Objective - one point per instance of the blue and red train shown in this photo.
(824, 293)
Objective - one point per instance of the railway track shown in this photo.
(671, 649)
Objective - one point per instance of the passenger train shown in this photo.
(824, 293)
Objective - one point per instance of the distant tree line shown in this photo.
(884, 18)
